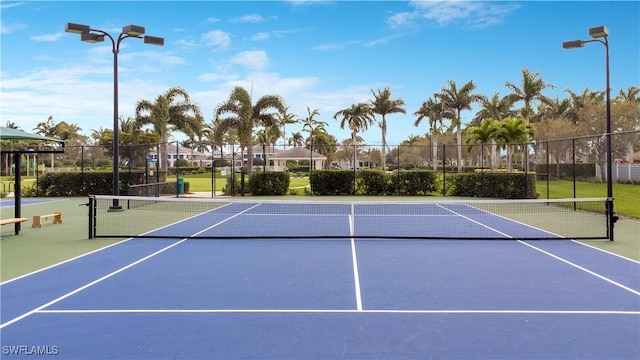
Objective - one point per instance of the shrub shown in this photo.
(269, 183)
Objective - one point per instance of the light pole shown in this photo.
(94, 36)
(597, 33)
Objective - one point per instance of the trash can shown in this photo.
(180, 186)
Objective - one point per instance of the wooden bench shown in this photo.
(12, 221)
(37, 219)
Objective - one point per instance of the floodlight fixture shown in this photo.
(92, 38)
(598, 32)
(133, 30)
(76, 28)
(573, 44)
(153, 40)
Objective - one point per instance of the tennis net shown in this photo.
(252, 218)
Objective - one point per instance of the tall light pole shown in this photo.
(94, 36)
(597, 33)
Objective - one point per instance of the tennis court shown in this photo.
(322, 280)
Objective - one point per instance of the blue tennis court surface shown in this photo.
(340, 298)
(10, 202)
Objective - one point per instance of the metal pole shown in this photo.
(610, 210)
(116, 128)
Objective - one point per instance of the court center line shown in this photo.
(356, 275)
(593, 273)
(337, 311)
(39, 308)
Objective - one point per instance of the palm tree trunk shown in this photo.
(383, 125)
(493, 155)
(434, 147)
(459, 139)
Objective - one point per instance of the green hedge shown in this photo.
(83, 184)
(269, 183)
(332, 182)
(492, 185)
(565, 171)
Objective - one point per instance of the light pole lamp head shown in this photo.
(573, 44)
(77, 28)
(133, 30)
(598, 32)
(153, 40)
(92, 38)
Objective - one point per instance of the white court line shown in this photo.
(97, 250)
(356, 276)
(593, 273)
(337, 311)
(602, 277)
(476, 222)
(39, 308)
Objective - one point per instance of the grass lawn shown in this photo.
(626, 196)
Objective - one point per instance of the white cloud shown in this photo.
(48, 38)
(471, 14)
(216, 39)
(252, 59)
(260, 36)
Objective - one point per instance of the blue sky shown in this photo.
(318, 54)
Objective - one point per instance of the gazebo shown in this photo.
(298, 153)
(54, 146)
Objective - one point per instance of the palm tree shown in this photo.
(529, 92)
(432, 110)
(484, 134)
(171, 111)
(215, 135)
(45, 128)
(513, 131)
(383, 105)
(496, 108)
(358, 117)
(580, 100)
(631, 95)
(267, 137)
(454, 101)
(286, 118)
(310, 125)
(239, 113)
(296, 139)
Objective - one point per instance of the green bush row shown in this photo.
(269, 183)
(422, 182)
(566, 171)
(492, 185)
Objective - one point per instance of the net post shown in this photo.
(611, 218)
(92, 218)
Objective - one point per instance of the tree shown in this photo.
(312, 126)
(529, 92)
(454, 101)
(296, 139)
(267, 137)
(238, 113)
(286, 118)
(496, 108)
(171, 111)
(631, 95)
(432, 110)
(383, 105)
(484, 134)
(358, 118)
(514, 131)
